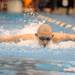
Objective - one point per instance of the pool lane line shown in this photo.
(50, 20)
(60, 23)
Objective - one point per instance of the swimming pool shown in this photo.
(26, 58)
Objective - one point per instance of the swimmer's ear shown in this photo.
(36, 34)
(52, 35)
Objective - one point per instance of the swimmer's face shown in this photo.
(44, 40)
(44, 35)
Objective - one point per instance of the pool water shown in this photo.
(28, 58)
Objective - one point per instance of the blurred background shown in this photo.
(50, 6)
(58, 60)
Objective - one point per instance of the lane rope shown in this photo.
(50, 20)
(60, 23)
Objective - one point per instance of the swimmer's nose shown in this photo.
(45, 42)
(44, 45)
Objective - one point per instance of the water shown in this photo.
(28, 58)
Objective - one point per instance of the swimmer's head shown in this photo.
(44, 34)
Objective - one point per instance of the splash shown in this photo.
(62, 45)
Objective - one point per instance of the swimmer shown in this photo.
(44, 35)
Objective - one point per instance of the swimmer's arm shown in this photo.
(63, 37)
(16, 38)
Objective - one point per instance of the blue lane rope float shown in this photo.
(50, 20)
(60, 23)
